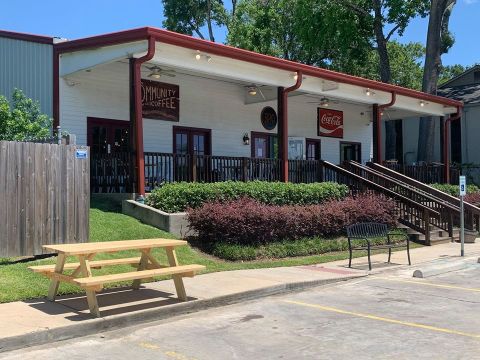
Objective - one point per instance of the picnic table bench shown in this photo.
(147, 266)
(367, 231)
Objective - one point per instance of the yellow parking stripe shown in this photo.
(378, 318)
(445, 286)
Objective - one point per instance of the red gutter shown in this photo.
(190, 42)
(285, 92)
(140, 160)
(446, 142)
(378, 124)
(27, 37)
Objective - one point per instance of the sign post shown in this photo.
(463, 192)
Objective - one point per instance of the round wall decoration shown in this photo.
(269, 118)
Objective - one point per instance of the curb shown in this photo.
(114, 322)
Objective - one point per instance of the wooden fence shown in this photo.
(44, 197)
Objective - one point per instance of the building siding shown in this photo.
(204, 103)
(27, 66)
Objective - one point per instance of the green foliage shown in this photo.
(453, 189)
(448, 72)
(178, 197)
(289, 248)
(22, 120)
(316, 33)
(405, 64)
(189, 16)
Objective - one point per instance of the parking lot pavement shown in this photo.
(379, 317)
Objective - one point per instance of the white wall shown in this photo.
(204, 103)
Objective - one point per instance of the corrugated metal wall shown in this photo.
(27, 66)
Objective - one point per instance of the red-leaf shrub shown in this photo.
(473, 198)
(247, 221)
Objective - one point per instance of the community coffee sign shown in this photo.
(160, 100)
(330, 123)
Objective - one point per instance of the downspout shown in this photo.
(446, 142)
(139, 154)
(285, 124)
(378, 124)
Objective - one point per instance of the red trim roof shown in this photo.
(27, 37)
(190, 42)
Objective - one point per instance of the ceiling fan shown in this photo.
(156, 72)
(324, 102)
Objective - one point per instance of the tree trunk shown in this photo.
(209, 20)
(385, 76)
(437, 28)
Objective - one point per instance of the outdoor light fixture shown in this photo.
(422, 103)
(369, 92)
(246, 139)
(155, 73)
(252, 90)
(198, 56)
(324, 102)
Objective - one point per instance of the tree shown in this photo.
(387, 18)
(406, 67)
(191, 16)
(439, 41)
(23, 120)
(448, 72)
(312, 32)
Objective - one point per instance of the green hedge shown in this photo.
(453, 189)
(178, 197)
(288, 248)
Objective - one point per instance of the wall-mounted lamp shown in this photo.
(369, 92)
(422, 103)
(198, 56)
(246, 139)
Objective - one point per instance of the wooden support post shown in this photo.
(282, 147)
(193, 166)
(91, 295)
(53, 289)
(426, 222)
(177, 279)
(244, 169)
(142, 265)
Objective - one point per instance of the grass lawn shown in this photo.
(107, 224)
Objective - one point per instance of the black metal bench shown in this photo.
(367, 231)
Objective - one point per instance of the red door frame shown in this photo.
(265, 135)
(318, 145)
(191, 131)
(109, 123)
(351, 143)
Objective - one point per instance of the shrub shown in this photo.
(177, 197)
(453, 189)
(248, 221)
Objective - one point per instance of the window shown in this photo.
(350, 151)
(313, 149)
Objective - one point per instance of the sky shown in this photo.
(76, 19)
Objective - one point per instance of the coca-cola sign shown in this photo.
(330, 123)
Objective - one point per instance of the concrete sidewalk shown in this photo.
(36, 322)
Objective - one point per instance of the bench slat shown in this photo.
(174, 270)
(93, 264)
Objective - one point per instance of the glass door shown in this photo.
(109, 142)
(350, 151)
(189, 142)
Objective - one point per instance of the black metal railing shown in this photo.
(111, 173)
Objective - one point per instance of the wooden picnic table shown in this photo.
(147, 266)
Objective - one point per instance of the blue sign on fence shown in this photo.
(81, 154)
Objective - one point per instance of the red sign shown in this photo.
(330, 123)
(160, 100)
